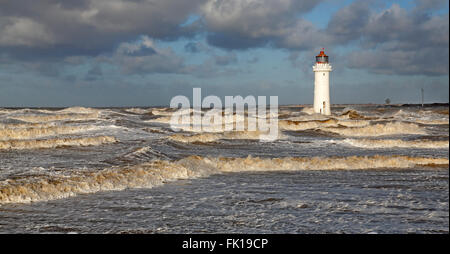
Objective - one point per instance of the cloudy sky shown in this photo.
(144, 52)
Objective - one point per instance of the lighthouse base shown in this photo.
(322, 108)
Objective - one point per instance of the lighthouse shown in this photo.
(322, 71)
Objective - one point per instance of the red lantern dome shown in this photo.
(321, 57)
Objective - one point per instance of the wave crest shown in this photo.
(433, 122)
(389, 143)
(51, 187)
(31, 133)
(56, 142)
(80, 110)
(312, 163)
(305, 125)
(378, 129)
(26, 125)
(56, 117)
(349, 113)
(157, 172)
(212, 137)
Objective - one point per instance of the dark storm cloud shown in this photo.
(426, 5)
(90, 26)
(395, 26)
(162, 61)
(390, 41)
(40, 35)
(349, 22)
(132, 59)
(229, 40)
(143, 52)
(395, 40)
(198, 47)
(242, 24)
(426, 61)
(48, 54)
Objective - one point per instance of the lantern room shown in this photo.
(321, 57)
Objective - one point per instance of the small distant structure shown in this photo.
(421, 90)
(387, 101)
(322, 71)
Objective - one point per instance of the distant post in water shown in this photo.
(421, 89)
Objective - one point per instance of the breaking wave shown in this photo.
(79, 110)
(163, 111)
(303, 117)
(162, 119)
(389, 143)
(139, 111)
(317, 124)
(56, 142)
(432, 122)
(204, 138)
(53, 187)
(4, 111)
(390, 128)
(212, 137)
(308, 163)
(305, 125)
(217, 123)
(26, 125)
(308, 110)
(354, 123)
(145, 152)
(423, 117)
(155, 173)
(349, 113)
(56, 117)
(346, 127)
(31, 133)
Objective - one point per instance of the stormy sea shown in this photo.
(363, 169)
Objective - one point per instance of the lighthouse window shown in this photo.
(324, 74)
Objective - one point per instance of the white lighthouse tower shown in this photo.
(322, 71)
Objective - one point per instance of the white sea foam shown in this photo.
(422, 117)
(305, 125)
(391, 128)
(350, 113)
(157, 172)
(432, 121)
(79, 110)
(32, 133)
(390, 143)
(217, 122)
(140, 111)
(26, 125)
(56, 142)
(212, 137)
(32, 118)
(308, 110)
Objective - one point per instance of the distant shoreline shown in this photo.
(435, 104)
